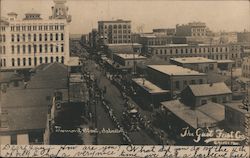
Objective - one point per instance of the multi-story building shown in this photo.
(93, 38)
(174, 78)
(243, 37)
(192, 29)
(167, 31)
(246, 67)
(216, 52)
(28, 42)
(117, 31)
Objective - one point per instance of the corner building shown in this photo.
(31, 41)
(117, 31)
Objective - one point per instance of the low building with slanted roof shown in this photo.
(150, 93)
(197, 95)
(177, 116)
(24, 116)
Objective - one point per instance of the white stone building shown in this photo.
(30, 41)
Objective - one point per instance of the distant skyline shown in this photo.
(218, 15)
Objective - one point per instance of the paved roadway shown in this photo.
(113, 95)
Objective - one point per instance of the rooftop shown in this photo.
(148, 86)
(174, 70)
(114, 21)
(9, 76)
(130, 56)
(236, 105)
(210, 89)
(201, 117)
(193, 60)
(22, 112)
(52, 75)
(224, 61)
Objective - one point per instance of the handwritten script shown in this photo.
(123, 151)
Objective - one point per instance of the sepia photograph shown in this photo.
(125, 73)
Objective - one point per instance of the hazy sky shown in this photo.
(218, 15)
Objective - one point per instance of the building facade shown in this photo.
(31, 41)
(246, 67)
(192, 29)
(117, 31)
(174, 78)
(215, 52)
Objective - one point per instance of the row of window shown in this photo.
(37, 27)
(37, 48)
(214, 57)
(185, 83)
(119, 41)
(35, 61)
(198, 30)
(2, 38)
(37, 37)
(2, 50)
(246, 67)
(2, 28)
(120, 36)
(115, 26)
(190, 50)
(3, 63)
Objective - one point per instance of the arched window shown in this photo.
(12, 38)
(57, 49)
(40, 37)
(18, 49)
(46, 59)
(4, 38)
(56, 36)
(34, 48)
(34, 37)
(4, 62)
(13, 61)
(24, 61)
(62, 59)
(29, 61)
(35, 61)
(46, 48)
(29, 49)
(51, 48)
(57, 59)
(51, 37)
(29, 37)
(4, 49)
(62, 36)
(13, 49)
(51, 59)
(62, 47)
(18, 37)
(40, 48)
(41, 60)
(18, 61)
(24, 49)
(23, 37)
(45, 37)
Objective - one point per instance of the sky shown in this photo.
(223, 15)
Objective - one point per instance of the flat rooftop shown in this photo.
(200, 117)
(148, 86)
(193, 60)
(236, 105)
(131, 56)
(175, 70)
(224, 61)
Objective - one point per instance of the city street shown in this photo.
(113, 95)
